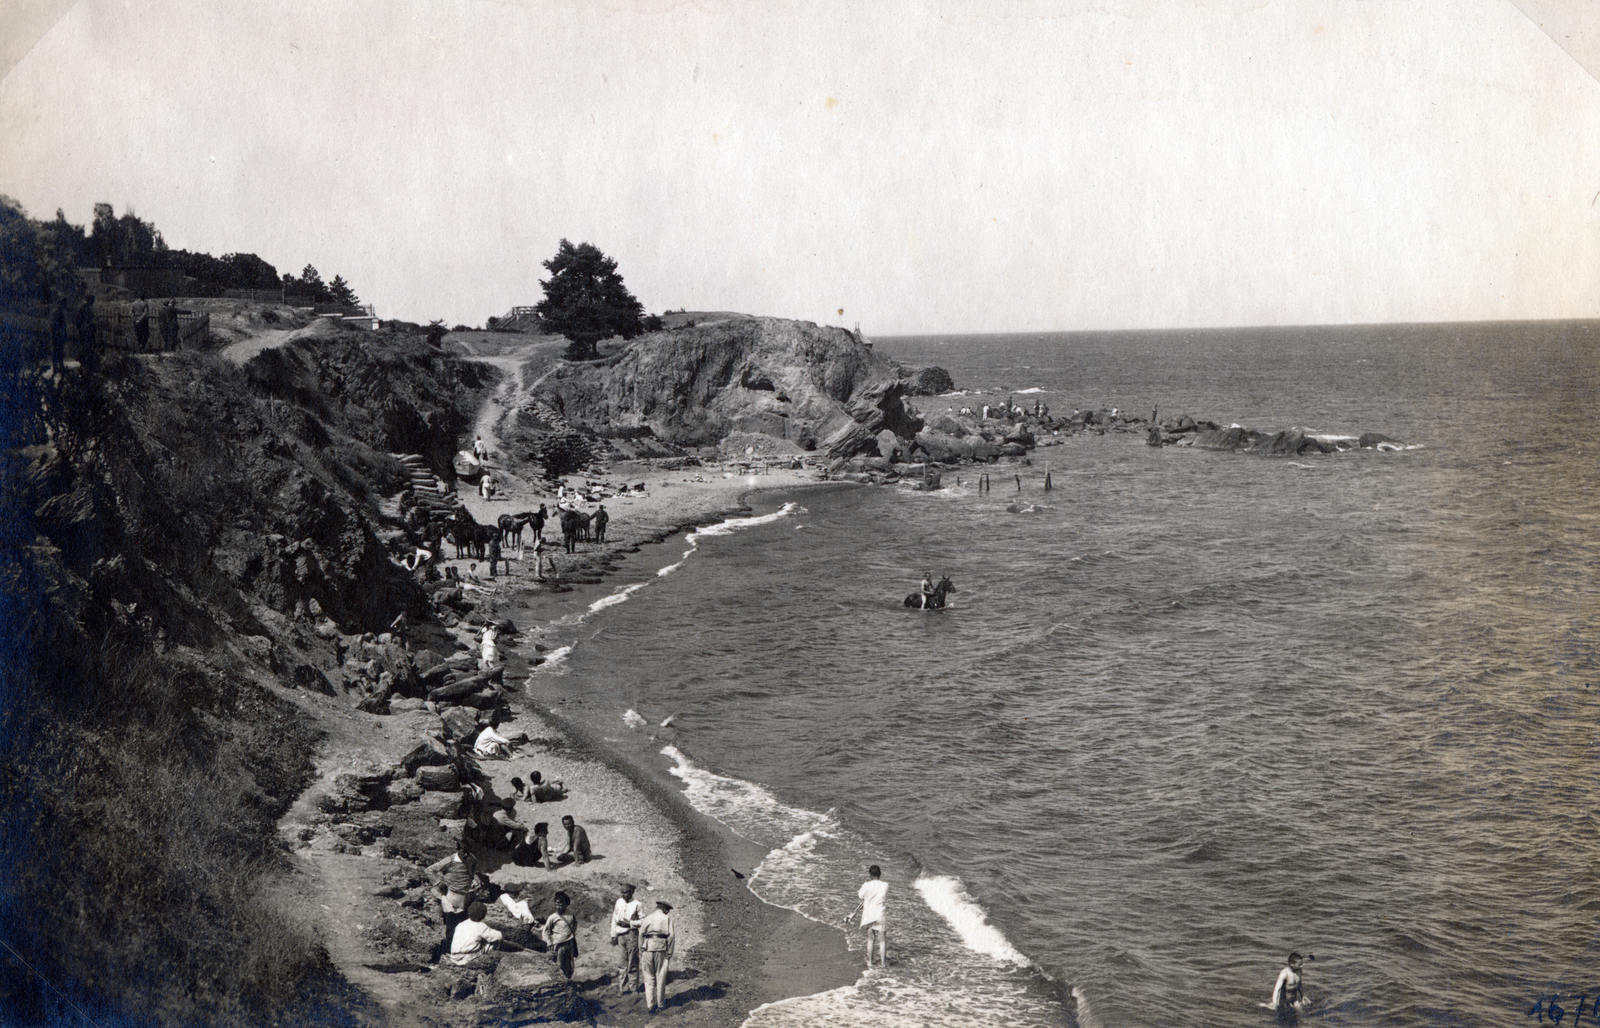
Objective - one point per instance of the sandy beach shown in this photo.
(371, 905)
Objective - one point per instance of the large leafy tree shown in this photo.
(585, 300)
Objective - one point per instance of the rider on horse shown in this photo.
(926, 589)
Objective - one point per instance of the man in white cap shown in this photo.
(655, 952)
(625, 914)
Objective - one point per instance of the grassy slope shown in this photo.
(156, 519)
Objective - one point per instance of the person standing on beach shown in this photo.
(561, 935)
(600, 520)
(655, 953)
(873, 893)
(493, 549)
(625, 914)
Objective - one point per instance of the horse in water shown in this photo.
(936, 601)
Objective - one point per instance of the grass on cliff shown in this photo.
(145, 883)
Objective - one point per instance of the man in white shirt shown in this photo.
(625, 914)
(872, 893)
(472, 937)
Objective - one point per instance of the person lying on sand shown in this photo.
(512, 900)
(537, 790)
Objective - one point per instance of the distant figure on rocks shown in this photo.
(577, 842)
(457, 884)
(625, 914)
(561, 935)
(141, 322)
(479, 450)
(491, 744)
(600, 519)
(88, 349)
(655, 953)
(489, 652)
(872, 893)
(169, 325)
(926, 589)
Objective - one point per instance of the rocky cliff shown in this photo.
(818, 388)
(180, 531)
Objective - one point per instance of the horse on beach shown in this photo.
(574, 526)
(511, 526)
(936, 601)
(468, 535)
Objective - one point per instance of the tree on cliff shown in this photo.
(585, 300)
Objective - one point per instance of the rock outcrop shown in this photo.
(821, 388)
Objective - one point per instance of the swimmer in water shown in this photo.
(1288, 997)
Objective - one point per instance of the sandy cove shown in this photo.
(363, 878)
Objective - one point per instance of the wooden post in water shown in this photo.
(1019, 482)
(1047, 481)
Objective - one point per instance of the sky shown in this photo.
(911, 167)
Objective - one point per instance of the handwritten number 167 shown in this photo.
(1556, 1012)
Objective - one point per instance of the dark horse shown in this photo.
(936, 601)
(574, 526)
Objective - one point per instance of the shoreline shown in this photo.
(736, 953)
(763, 953)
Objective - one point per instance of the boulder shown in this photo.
(438, 779)
(307, 677)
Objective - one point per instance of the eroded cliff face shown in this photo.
(816, 387)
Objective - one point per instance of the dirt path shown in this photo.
(514, 392)
(244, 349)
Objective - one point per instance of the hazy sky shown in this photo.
(923, 167)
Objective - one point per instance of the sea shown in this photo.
(1186, 711)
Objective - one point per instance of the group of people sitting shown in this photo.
(645, 942)
(469, 940)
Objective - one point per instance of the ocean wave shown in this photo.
(733, 525)
(947, 897)
(746, 809)
(619, 596)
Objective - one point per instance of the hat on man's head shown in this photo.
(664, 905)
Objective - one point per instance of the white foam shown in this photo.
(746, 809)
(733, 525)
(948, 898)
(619, 596)
(555, 657)
(1029, 390)
(632, 718)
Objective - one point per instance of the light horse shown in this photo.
(936, 601)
